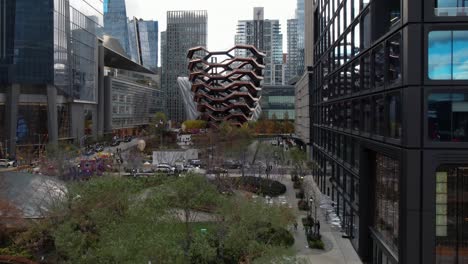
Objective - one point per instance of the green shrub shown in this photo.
(276, 237)
(261, 186)
(317, 244)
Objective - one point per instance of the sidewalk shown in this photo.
(337, 250)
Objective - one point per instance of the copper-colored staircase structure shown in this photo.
(228, 90)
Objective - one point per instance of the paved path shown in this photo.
(338, 250)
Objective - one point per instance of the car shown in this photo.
(166, 168)
(7, 163)
(127, 139)
(231, 164)
(195, 162)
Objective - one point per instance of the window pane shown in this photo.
(451, 7)
(394, 65)
(394, 115)
(440, 55)
(448, 117)
(460, 55)
(379, 62)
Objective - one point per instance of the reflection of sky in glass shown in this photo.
(440, 52)
(449, 3)
(448, 55)
(106, 6)
(460, 55)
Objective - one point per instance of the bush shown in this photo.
(297, 185)
(277, 237)
(316, 243)
(303, 206)
(260, 186)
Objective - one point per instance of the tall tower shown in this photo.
(265, 35)
(185, 29)
(115, 21)
(144, 41)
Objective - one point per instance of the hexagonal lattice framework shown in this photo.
(228, 90)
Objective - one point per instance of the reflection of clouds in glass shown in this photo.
(448, 55)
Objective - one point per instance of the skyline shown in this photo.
(221, 25)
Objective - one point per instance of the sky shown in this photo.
(222, 15)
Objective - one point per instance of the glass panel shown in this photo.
(379, 66)
(366, 73)
(440, 55)
(460, 55)
(448, 117)
(394, 115)
(394, 64)
(451, 7)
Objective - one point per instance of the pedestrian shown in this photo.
(295, 226)
(318, 226)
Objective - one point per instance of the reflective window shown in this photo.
(394, 115)
(394, 61)
(367, 115)
(366, 72)
(448, 117)
(451, 7)
(387, 200)
(448, 55)
(451, 204)
(356, 115)
(379, 66)
(379, 116)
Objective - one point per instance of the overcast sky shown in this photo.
(222, 15)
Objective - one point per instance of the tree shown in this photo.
(286, 116)
(298, 157)
(190, 195)
(60, 156)
(158, 125)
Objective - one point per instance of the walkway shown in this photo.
(338, 250)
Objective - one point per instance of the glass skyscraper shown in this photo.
(48, 67)
(185, 30)
(144, 41)
(115, 22)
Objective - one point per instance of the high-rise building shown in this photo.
(266, 36)
(185, 29)
(52, 75)
(296, 43)
(390, 122)
(292, 63)
(115, 22)
(48, 69)
(144, 41)
(304, 83)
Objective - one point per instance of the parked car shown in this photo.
(231, 164)
(196, 163)
(127, 138)
(7, 163)
(166, 168)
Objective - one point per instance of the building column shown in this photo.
(11, 117)
(101, 94)
(52, 119)
(107, 99)
(77, 121)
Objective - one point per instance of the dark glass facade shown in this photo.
(185, 30)
(115, 22)
(278, 102)
(390, 110)
(144, 42)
